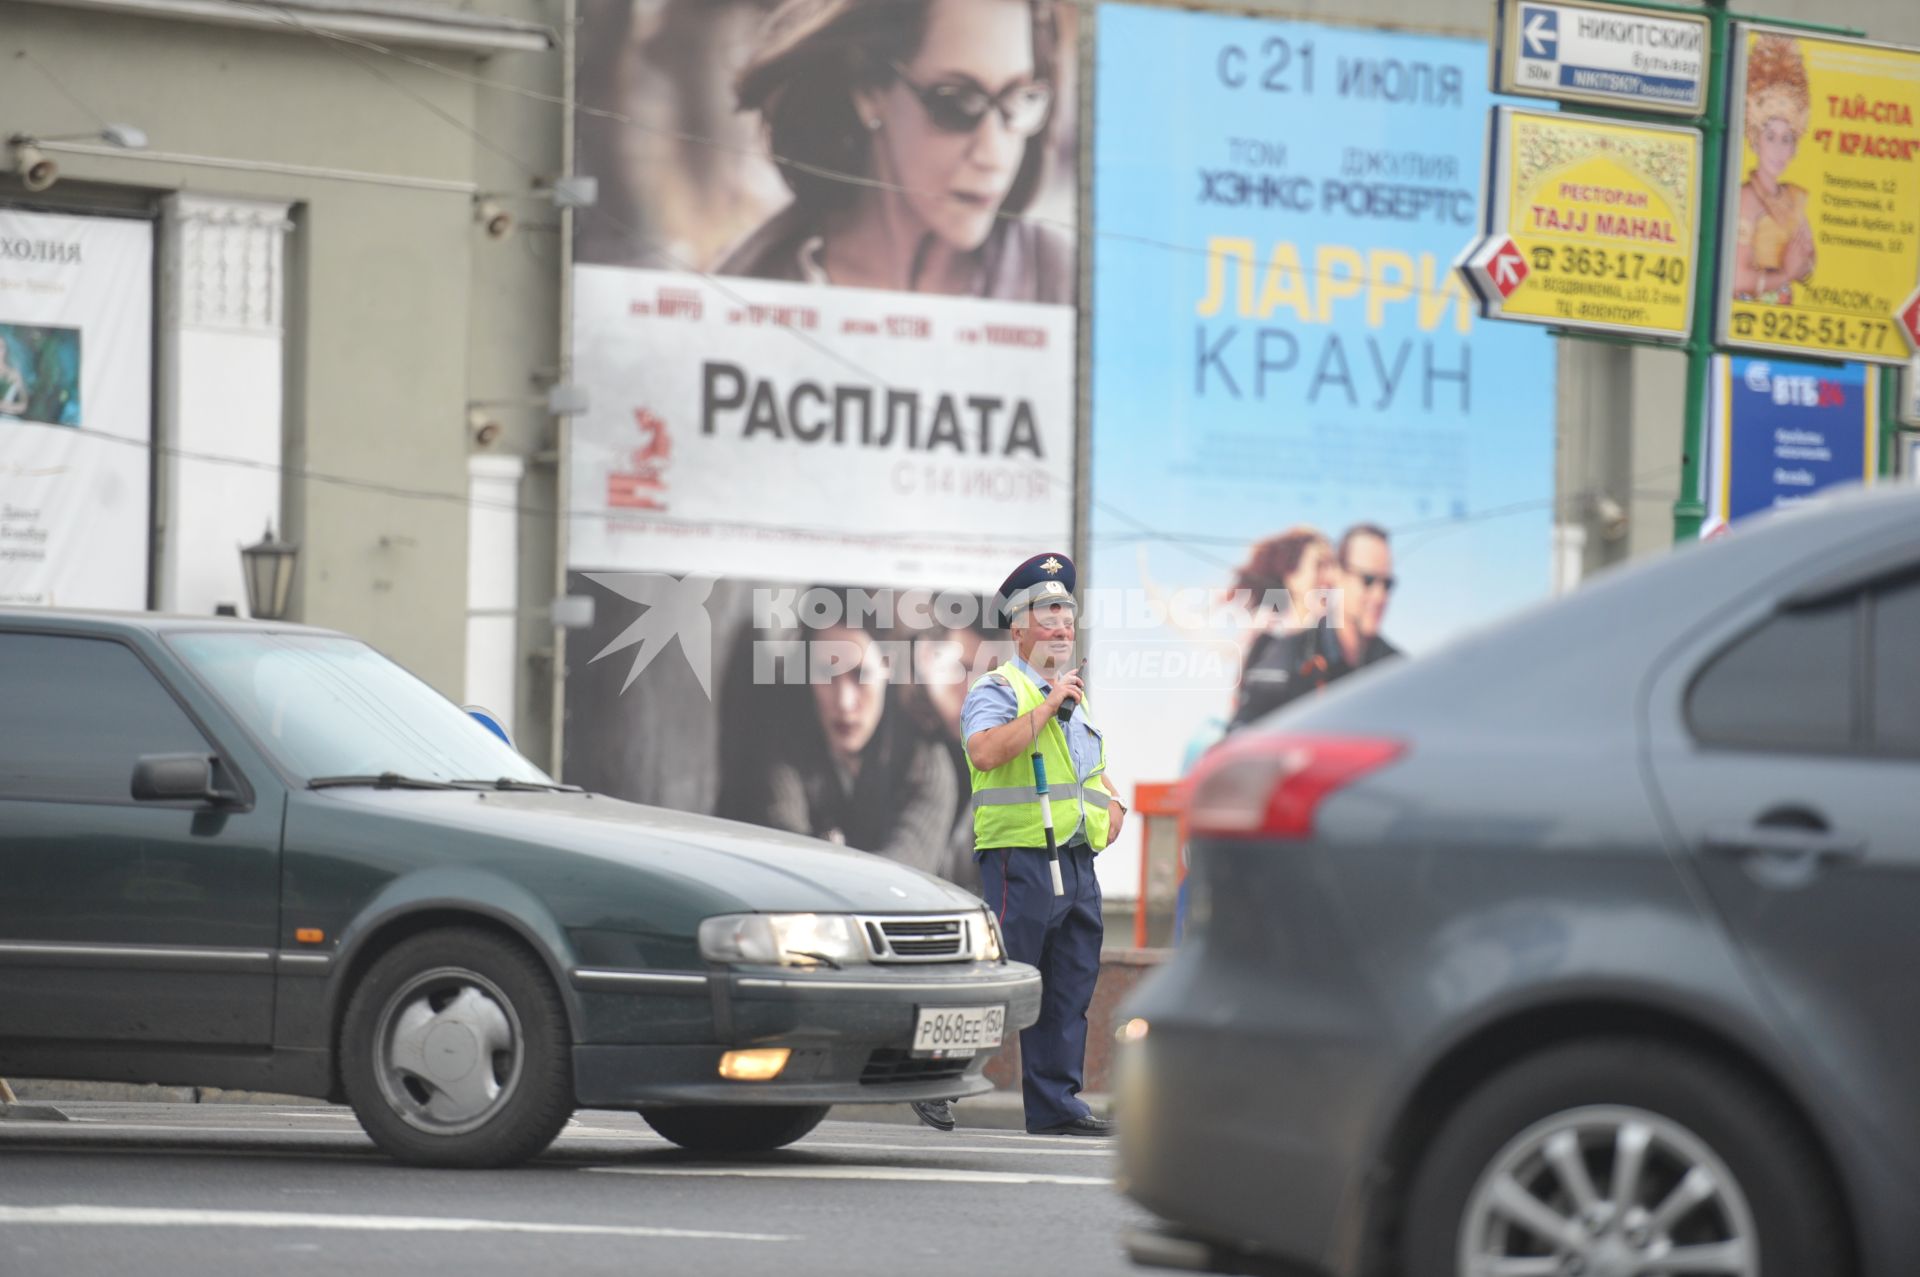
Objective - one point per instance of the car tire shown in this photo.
(456, 1052)
(735, 1128)
(1580, 1108)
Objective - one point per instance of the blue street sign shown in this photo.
(1605, 54)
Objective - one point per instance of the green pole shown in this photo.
(1889, 421)
(1691, 510)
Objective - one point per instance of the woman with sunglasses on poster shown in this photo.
(940, 110)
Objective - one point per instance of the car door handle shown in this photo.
(1785, 842)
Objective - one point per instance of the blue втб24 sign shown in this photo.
(1786, 430)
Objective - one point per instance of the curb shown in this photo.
(31, 1113)
(55, 1090)
(994, 1111)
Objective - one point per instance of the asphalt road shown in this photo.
(160, 1190)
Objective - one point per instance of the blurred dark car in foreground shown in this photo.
(266, 857)
(1582, 947)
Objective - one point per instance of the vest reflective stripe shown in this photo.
(1093, 795)
(1006, 806)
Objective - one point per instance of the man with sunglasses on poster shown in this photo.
(1283, 667)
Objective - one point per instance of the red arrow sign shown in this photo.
(1909, 317)
(1507, 268)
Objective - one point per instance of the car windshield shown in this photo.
(330, 706)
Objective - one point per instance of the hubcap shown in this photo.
(1607, 1191)
(449, 1051)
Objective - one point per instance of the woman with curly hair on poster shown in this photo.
(940, 111)
(1774, 248)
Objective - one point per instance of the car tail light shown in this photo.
(1271, 786)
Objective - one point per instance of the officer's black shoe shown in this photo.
(935, 1113)
(1097, 1127)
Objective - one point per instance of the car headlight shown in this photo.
(985, 936)
(783, 939)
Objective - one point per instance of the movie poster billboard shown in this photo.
(1283, 361)
(76, 415)
(824, 304)
(823, 310)
(1820, 249)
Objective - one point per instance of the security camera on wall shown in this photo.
(497, 221)
(484, 429)
(36, 169)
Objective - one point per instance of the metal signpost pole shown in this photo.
(1889, 424)
(1690, 510)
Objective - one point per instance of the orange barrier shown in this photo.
(1155, 802)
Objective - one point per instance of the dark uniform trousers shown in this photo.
(1061, 936)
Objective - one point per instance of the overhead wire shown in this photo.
(825, 172)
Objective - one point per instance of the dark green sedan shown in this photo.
(266, 857)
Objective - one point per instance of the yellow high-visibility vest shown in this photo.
(1006, 806)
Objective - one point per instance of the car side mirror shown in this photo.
(177, 778)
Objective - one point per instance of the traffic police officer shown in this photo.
(1035, 704)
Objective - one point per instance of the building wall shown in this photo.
(399, 310)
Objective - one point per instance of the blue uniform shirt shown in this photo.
(991, 703)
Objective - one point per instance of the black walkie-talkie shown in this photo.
(1067, 706)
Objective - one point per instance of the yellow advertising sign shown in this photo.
(1592, 224)
(1820, 249)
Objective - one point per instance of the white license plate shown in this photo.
(957, 1033)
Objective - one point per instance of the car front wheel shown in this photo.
(730, 1129)
(1622, 1157)
(455, 1051)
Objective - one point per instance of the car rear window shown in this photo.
(1787, 685)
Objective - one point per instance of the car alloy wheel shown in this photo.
(449, 1051)
(455, 1051)
(1607, 1191)
(1623, 1157)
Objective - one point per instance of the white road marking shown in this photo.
(803, 1145)
(185, 1128)
(155, 1217)
(900, 1174)
(648, 1137)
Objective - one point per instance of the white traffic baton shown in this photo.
(1046, 821)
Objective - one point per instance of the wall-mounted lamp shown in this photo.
(267, 566)
(580, 190)
(38, 170)
(490, 208)
(563, 399)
